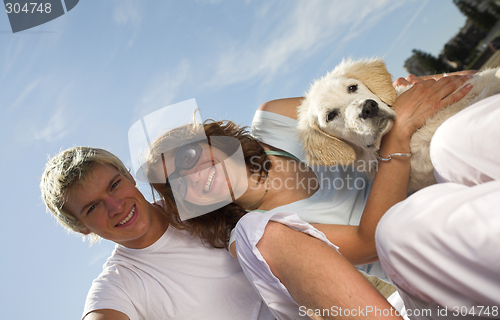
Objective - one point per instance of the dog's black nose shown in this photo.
(370, 109)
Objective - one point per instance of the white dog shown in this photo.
(345, 114)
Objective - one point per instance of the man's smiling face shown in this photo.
(108, 204)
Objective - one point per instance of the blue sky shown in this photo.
(86, 77)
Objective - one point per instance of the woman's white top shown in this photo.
(340, 199)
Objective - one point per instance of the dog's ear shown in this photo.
(373, 73)
(324, 150)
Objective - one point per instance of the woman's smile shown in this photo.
(207, 186)
(210, 179)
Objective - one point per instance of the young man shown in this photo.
(155, 272)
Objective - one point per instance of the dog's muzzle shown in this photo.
(370, 109)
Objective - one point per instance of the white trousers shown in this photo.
(441, 246)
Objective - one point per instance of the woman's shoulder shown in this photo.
(285, 107)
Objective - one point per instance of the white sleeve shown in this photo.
(441, 245)
(277, 131)
(249, 231)
(466, 148)
(106, 294)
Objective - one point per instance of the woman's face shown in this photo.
(208, 180)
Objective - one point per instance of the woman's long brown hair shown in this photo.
(212, 228)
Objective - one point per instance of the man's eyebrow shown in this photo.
(110, 183)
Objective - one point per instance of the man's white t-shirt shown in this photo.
(175, 278)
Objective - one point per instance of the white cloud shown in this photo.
(127, 12)
(163, 90)
(25, 93)
(280, 41)
(13, 53)
(56, 127)
(210, 1)
(407, 26)
(21, 55)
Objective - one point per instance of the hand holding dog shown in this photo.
(411, 79)
(357, 113)
(424, 99)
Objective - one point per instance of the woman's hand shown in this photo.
(408, 81)
(424, 99)
(411, 79)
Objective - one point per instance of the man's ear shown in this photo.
(81, 229)
(85, 232)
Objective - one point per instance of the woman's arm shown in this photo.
(319, 278)
(106, 314)
(286, 107)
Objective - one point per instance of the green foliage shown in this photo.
(463, 49)
(482, 19)
(456, 52)
(428, 63)
(494, 7)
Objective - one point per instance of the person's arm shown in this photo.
(285, 107)
(357, 243)
(319, 278)
(288, 106)
(106, 314)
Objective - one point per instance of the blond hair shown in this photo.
(66, 169)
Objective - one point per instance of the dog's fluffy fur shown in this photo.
(345, 114)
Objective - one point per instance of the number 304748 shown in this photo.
(32, 7)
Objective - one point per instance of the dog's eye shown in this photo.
(331, 115)
(352, 88)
